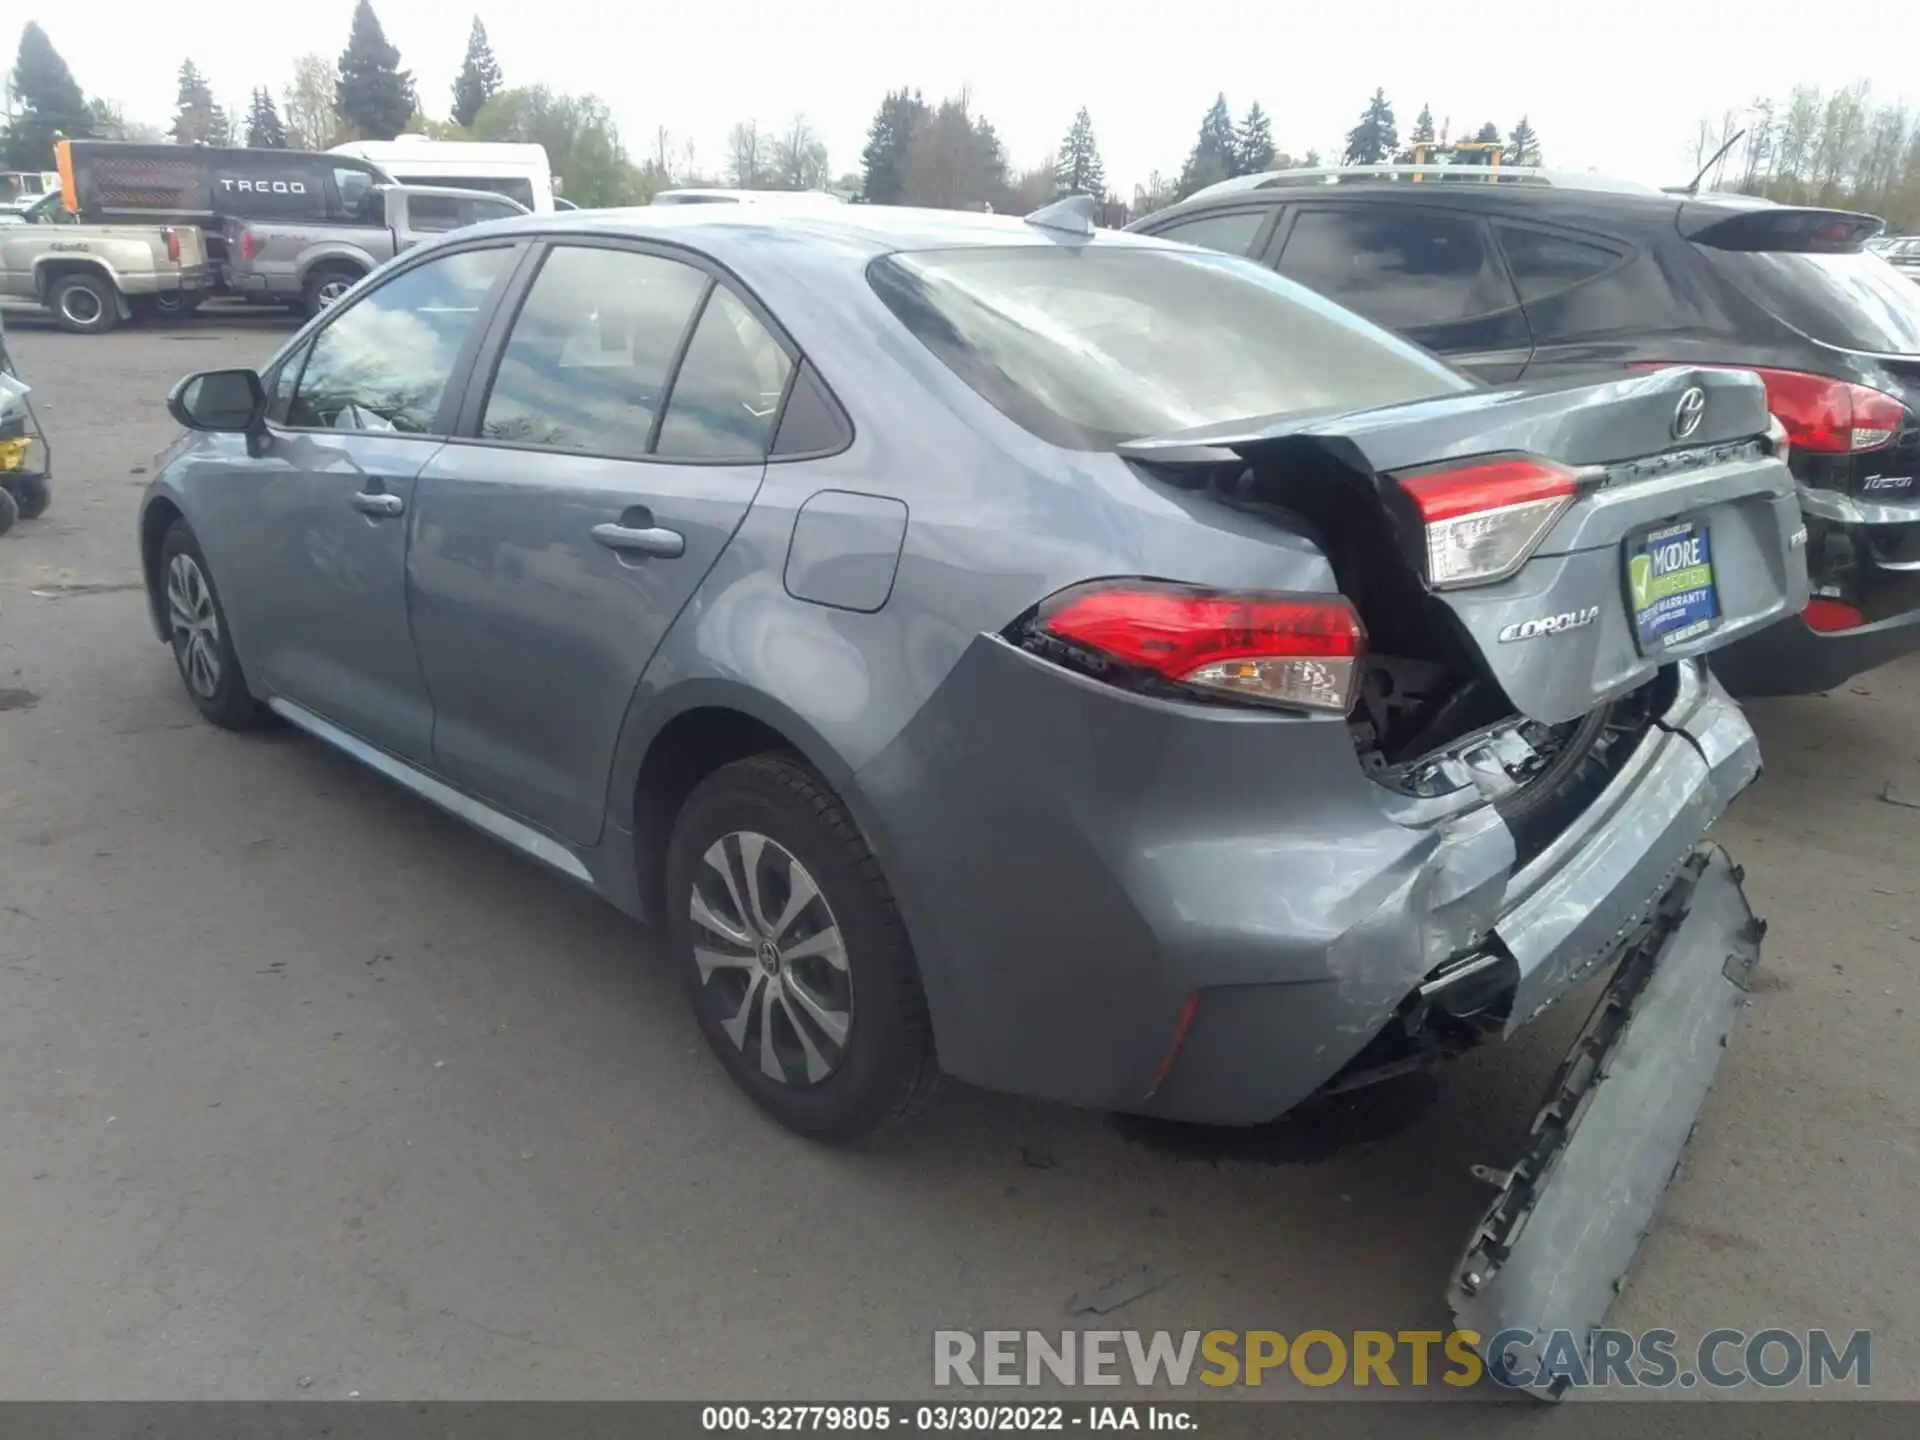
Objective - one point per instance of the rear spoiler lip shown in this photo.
(1698, 227)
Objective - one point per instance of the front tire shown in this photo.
(84, 304)
(202, 643)
(32, 496)
(794, 954)
(9, 510)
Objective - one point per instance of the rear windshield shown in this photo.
(514, 187)
(1856, 301)
(1087, 346)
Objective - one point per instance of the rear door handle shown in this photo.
(655, 540)
(378, 502)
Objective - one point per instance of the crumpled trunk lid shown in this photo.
(1594, 612)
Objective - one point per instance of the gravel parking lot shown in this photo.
(307, 1090)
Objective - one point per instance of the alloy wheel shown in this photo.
(331, 291)
(196, 628)
(772, 961)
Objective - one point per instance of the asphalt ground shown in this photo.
(308, 1091)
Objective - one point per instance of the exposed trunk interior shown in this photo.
(1431, 719)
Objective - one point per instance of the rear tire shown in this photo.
(821, 1020)
(326, 285)
(202, 642)
(161, 309)
(84, 304)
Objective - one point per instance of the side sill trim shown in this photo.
(483, 817)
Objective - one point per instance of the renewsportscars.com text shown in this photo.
(1650, 1359)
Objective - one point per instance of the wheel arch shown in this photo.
(156, 518)
(49, 270)
(673, 741)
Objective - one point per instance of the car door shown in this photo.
(308, 539)
(606, 455)
(1433, 275)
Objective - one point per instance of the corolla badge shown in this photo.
(1688, 414)
(1549, 624)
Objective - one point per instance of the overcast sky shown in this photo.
(1617, 87)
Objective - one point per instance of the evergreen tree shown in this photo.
(374, 96)
(1079, 171)
(1423, 127)
(197, 116)
(1255, 142)
(883, 162)
(479, 79)
(264, 130)
(1216, 153)
(50, 102)
(1488, 133)
(1523, 145)
(1376, 137)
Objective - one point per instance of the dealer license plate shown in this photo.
(1670, 586)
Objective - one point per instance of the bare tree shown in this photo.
(799, 160)
(746, 156)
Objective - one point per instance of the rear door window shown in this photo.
(431, 214)
(1087, 346)
(1545, 264)
(726, 396)
(1856, 301)
(1232, 233)
(1431, 274)
(586, 365)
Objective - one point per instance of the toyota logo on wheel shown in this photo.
(1688, 414)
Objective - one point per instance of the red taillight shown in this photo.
(1831, 616)
(1288, 650)
(173, 247)
(249, 247)
(1485, 517)
(1820, 413)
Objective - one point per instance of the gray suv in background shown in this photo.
(311, 263)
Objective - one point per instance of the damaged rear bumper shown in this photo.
(1554, 1249)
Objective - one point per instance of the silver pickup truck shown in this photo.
(310, 264)
(92, 277)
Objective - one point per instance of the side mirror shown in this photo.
(230, 402)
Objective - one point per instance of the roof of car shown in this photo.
(870, 229)
(1514, 187)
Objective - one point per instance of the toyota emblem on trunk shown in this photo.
(1688, 414)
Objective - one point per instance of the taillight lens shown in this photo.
(249, 247)
(173, 247)
(1831, 616)
(1294, 651)
(1820, 413)
(1484, 518)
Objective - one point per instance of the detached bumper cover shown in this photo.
(1554, 1249)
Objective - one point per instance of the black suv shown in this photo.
(1523, 274)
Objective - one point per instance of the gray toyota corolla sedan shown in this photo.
(1077, 663)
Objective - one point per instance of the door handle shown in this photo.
(378, 502)
(655, 540)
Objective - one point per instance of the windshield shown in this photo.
(1087, 346)
(1855, 301)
